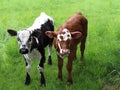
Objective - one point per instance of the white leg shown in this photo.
(49, 50)
(28, 63)
(28, 67)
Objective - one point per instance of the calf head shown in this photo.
(63, 40)
(24, 39)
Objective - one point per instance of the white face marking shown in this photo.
(64, 36)
(23, 37)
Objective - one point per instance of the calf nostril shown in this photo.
(23, 51)
(23, 46)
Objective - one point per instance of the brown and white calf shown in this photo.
(66, 39)
(32, 42)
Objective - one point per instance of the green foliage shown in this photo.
(101, 67)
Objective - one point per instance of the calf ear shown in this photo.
(76, 35)
(51, 34)
(12, 32)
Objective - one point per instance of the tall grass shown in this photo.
(100, 71)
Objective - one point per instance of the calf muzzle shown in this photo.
(65, 51)
(23, 51)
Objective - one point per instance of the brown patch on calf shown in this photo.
(65, 44)
(61, 37)
(63, 32)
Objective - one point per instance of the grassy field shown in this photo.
(101, 70)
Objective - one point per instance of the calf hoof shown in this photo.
(60, 79)
(69, 83)
(49, 61)
(27, 82)
(28, 79)
(82, 58)
(43, 83)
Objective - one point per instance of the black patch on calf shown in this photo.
(28, 79)
(37, 33)
(41, 36)
(48, 26)
(49, 60)
(33, 44)
(23, 51)
(42, 79)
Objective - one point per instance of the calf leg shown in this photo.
(60, 65)
(49, 54)
(42, 79)
(82, 47)
(69, 67)
(74, 55)
(41, 67)
(28, 67)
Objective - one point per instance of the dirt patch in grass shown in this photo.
(109, 86)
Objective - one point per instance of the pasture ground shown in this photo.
(101, 68)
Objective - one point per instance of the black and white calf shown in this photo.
(32, 42)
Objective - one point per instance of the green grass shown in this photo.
(101, 69)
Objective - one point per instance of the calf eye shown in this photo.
(18, 39)
(58, 40)
(68, 35)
